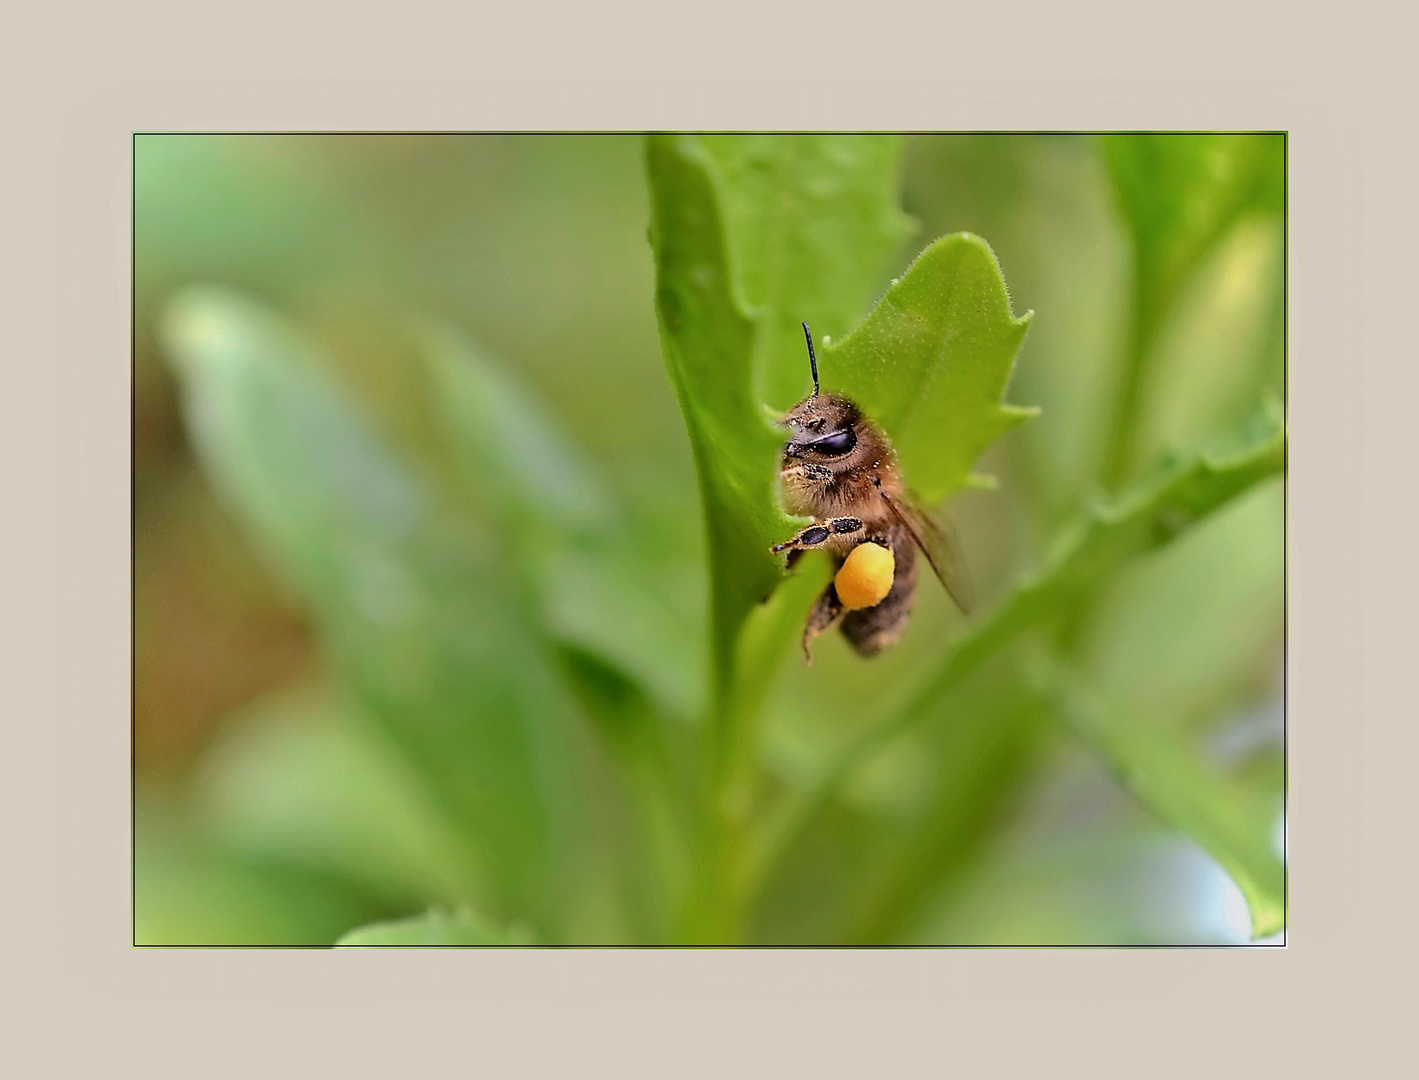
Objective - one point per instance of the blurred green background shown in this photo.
(268, 811)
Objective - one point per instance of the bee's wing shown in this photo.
(938, 542)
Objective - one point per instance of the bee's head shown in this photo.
(823, 428)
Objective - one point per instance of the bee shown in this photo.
(839, 469)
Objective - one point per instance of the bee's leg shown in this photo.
(804, 470)
(819, 532)
(870, 630)
(826, 611)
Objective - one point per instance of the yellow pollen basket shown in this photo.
(865, 577)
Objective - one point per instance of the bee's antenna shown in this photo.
(812, 360)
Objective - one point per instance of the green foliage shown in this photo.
(436, 927)
(556, 706)
(1088, 553)
(191, 890)
(932, 361)
(604, 585)
(298, 784)
(812, 223)
(709, 343)
(1179, 195)
(421, 621)
(1229, 819)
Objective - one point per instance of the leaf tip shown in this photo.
(1013, 416)
(1268, 918)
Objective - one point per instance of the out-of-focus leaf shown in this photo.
(636, 607)
(510, 451)
(870, 876)
(630, 653)
(982, 761)
(1234, 823)
(932, 361)
(1217, 354)
(812, 221)
(656, 867)
(1083, 863)
(1179, 195)
(1183, 632)
(434, 927)
(604, 585)
(422, 622)
(298, 781)
(191, 889)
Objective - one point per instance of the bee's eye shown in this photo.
(839, 442)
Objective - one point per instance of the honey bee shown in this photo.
(839, 468)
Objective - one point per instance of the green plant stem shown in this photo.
(723, 884)
(713, 911)
(1121, 451)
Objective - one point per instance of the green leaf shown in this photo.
(563, 543)
(434, 927)
(657, 866)
(509, 451)
(932, 361)
(812, 221)
(1232, 822)
(709, 342)
(629, 653)
(422, 621)
(296, 780)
